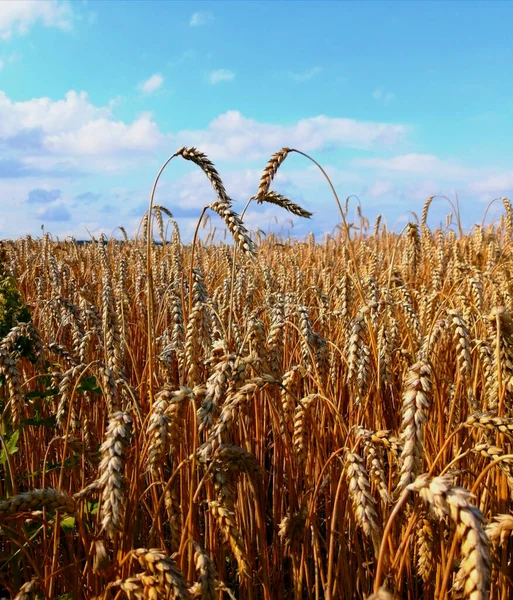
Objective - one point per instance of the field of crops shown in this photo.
(269, 419)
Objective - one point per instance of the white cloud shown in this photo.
(48, 133)
(151, 84)
(499, 183)
(305, 75)
(201, 18)
(90, 137)
(231, 135)
(421, 190)
(378, 188)
(15, 193)
(64, 137)
(42, 196)
(48, 115)
(193, 190)
(269, 218)
(221, 75)
(20, 16)
(310, 177)
(105, 136)
(383, 95)
(417, 164)
(86, 216)
(55, 212)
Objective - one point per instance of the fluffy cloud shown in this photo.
(379, 188)
(49, 116)
(39, 196)
(71, 133)
(88, 197)
(104, 136)
(152, 84)
(201, 18)
(192, 191)
(499, 183)
(417, 164)
(221, 75)
(12, 168)
(21, 15)
(55, 213)
(52, 145)
(231, 135)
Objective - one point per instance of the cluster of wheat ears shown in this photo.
(266, 419)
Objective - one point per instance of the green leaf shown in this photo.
(88, 384)
(92, 507)
(38, 422)
(10, 447)
(68, 523)
(40, 394)
(68, 463)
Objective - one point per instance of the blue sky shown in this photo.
(398, 100)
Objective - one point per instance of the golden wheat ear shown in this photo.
(270, 171)
(446, 500)
(48, 498)
(235, 226)
(165, 571)
(279, 200)
(207, 166)
(500, 530)
(112, 478)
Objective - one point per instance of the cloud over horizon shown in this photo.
(232, 135)
(417, 164)
(73, 133)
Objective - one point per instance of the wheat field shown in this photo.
(272, 418)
